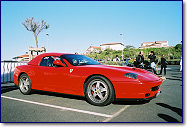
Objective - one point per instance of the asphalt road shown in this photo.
(54, 107)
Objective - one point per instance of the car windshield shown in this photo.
(79, 60)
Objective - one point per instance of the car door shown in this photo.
(54, 78)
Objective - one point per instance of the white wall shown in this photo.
(113, 47)
(145, 44)
(164, 44)
(7, 70)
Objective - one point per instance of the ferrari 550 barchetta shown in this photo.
(80, 75)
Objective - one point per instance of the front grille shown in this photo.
(155, 88)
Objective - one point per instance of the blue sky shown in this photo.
(74, 26)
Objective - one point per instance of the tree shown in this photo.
(178, 47)
(129, 47)
(34, 26)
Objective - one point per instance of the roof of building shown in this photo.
(22, 56)
(111, 44)
(152, 45)
(155, 42)
(161, 41)
(95, 47)
(147, 42)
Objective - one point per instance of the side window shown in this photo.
(61, 59)
(44, 61)
(58, 58)
(48, 61)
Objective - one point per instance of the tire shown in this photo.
(25, 84)
(99, 91)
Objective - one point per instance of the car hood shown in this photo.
(118, 68)
(142, 74)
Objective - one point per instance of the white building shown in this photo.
(92, 49)
(23, 58)
(156, 44)
(113, 46)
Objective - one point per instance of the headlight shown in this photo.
(131, 75)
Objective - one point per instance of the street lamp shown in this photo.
(123, 47)
(47, 41)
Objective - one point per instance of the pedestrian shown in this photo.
(181, 64)
(116, 58)
(163, 65)
(153, 61)
(127, 61)
(140, 60)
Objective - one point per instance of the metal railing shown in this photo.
(7, 70)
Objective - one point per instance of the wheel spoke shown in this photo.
(26, 87)
(21, 86)
(98, 85)
(103, 90)
(22, 81)
(100, 96)
(27, 81)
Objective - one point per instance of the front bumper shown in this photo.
(139, 99)
(135, 90)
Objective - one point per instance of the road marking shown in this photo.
(117, 113)
(59, 107)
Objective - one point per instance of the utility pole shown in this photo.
(122, 35)
(47, 41)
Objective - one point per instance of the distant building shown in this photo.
(22, 58)
(33, 50)
(92, 49)
(113, 46)
(156, 44)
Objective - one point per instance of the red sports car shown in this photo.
(80, 75)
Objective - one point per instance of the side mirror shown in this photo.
(59, 63)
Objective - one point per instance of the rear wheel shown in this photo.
(99, 91)
(25, 85)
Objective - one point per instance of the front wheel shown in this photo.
(25, 84)
(99, 91)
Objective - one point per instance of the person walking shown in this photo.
(163, 65)
(152, 58)
(140, 60)
(117, 58)
(127, 61)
